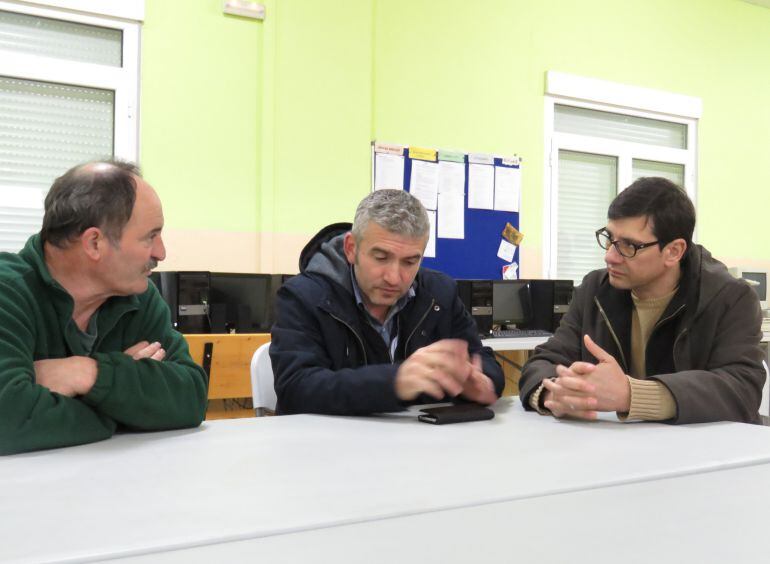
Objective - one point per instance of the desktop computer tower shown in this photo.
(192, 302)
(563, 290)
(550, 301)
(476, 295)
(186, 294)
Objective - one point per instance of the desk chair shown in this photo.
(262, 388)
(764, 408)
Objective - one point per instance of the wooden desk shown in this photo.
(230, 369)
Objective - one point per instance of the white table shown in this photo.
(245, 479)
(715, 517)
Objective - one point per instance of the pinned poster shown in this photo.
(430, 248)
(451, 177)
(507, 188)
(481, 186)
(423, 183)
(388, 171)
(451, 216)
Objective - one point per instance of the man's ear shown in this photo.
(674, 251)
(349, 244)
(92, 240)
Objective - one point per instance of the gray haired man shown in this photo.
(365, 329)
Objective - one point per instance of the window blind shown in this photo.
(44, 130)
(32, 35)
(587, 184)
(674, 172)
(608, 125)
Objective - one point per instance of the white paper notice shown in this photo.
(430, 248)
(451, 177)
(424, 183)
(507, 188)
(451, 215)
(481, 186)
(506, 250)
(388, 171)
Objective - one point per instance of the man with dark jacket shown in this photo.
(364, 329)
(664, 333)
(86, 345)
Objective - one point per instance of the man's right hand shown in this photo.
(143, 349)
(439, 370)
(570, 394)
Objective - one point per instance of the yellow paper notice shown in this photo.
(422, 154)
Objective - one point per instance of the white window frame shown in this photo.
(595, 94)
(124, 81)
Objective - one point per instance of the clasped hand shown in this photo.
(583, 389)
(444, 368)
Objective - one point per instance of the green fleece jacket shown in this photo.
(141, 395)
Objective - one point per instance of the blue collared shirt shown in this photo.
(388, 329)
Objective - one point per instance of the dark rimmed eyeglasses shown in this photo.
(624, 247)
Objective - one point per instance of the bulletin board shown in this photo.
(475, 256)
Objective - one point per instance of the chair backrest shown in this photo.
(764, 408)
(262, 388)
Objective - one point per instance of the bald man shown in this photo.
(86, 342)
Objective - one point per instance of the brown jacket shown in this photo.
(704, 349)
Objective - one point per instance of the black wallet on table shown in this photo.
(459, 413)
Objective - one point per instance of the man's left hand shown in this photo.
(71, 376)
(479, 387)
(611, 388)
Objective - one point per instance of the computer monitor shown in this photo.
(757, 279)
(511, 302)
(240, 303)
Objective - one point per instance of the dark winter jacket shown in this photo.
(328, 359)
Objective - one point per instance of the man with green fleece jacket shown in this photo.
(86, 342)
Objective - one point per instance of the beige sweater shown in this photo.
(650, 400)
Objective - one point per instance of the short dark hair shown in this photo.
(89, 195)
(663, 202)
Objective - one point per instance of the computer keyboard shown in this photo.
(520, 333)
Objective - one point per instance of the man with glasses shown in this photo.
(664, 333)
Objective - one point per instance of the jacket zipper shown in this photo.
(358, 338)
(424, 315)
(612, 332)
(679, 336)
(662, 321)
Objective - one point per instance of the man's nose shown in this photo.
(612, 255)
(392, 274)
(158, 249)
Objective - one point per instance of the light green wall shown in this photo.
(200, 92)
(471, 76)
(265, 126)
(321, 85)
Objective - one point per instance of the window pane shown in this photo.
(46, 37)
(583, 121)
(587, 184)
(44, 130)
(671, 171)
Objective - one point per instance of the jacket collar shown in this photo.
(109, 312)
